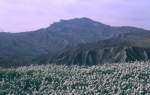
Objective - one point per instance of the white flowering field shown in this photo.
(108, 79)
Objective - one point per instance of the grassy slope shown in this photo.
(109, 79)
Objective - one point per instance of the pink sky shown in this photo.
(27, 15)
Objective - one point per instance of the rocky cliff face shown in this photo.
(102, 55)
(125, 48)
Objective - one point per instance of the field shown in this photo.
(108, 79)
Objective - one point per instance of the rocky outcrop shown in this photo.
(118, 49)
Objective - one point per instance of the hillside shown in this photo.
(123, 48)
(108, 79)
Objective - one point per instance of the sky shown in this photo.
(29, 15)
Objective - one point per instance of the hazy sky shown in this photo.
(25, 15)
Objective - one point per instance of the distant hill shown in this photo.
(17, 49)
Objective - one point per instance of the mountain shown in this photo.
(17, 49)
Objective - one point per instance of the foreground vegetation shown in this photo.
(108, 79)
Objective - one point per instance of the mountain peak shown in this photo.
(77, 23)
(84, 19)
(80, 20)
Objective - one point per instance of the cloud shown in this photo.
(25, 15)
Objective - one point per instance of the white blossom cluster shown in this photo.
(107, 79)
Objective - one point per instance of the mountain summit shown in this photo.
(77, 24)
(79, 21)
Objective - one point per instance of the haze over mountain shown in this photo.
(65, 37)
